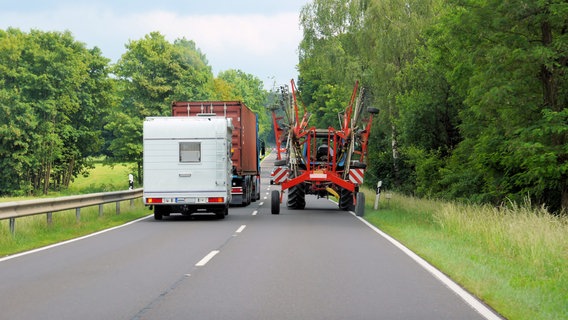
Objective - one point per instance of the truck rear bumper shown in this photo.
(201, 199)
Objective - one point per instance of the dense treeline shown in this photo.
(63, 103)
(473, 93)
(53, 97)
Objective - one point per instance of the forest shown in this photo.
(473, 96)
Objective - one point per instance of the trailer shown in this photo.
(320, 161)
(245, 182)
(187, 165)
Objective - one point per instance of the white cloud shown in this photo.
(263, 45)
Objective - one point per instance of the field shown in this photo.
(102, 179)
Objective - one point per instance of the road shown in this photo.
(316, 263)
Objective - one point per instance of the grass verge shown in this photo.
(515, 259)
(33, 232)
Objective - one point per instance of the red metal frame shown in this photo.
(316, 174)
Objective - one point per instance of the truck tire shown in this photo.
(246, 191)
(158, 212)
(360, 206)
(275, 202)
(346, 200)
(297, 197)
(221, 214)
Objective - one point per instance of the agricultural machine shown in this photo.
(312, 161)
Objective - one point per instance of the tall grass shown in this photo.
(515, 258)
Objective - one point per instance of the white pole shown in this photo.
(378, 195)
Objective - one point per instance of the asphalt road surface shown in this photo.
(316, 263)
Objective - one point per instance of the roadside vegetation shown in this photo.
(513, 257)
(34, 232)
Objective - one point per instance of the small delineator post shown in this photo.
(378, 195)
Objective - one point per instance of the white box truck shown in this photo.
(187, 165)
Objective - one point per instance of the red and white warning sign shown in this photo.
(356, 175)
(279, 175)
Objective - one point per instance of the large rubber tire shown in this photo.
(221, 214)
(275, 202)
(160, 212)
(245, 201)
(346, 200)
(360, 206)
(297, 197)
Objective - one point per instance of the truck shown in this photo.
(245, 182)
(187, 165)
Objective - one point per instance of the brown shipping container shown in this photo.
(245, 153)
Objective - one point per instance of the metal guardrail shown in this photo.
(18, 209)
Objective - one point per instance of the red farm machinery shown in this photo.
(320, 162)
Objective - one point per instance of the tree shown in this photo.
(371, 41)
(249, 89)
(515, 125)
(50, 115)
(150, 75)
(330, 60)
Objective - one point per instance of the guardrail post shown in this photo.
(101, 210)
(118, 207)
(78, 214)
(13, 226)
(49, 219)
(131, 203)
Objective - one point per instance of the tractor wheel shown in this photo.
(346, 200)
(275, 202)
(297, 197)
(360, 206)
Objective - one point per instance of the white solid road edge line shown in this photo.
(206, 259)
(70, 241)
(466, 296)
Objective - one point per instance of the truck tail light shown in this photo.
(237, 190)
(153, 200)
(216, 200)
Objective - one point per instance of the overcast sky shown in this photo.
(260, 37)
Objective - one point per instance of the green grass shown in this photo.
(515, 259)
(102, 179)
(34, 232)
